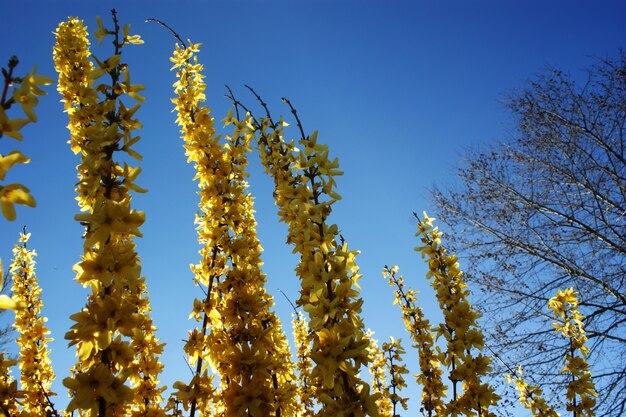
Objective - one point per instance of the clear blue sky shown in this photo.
(396, 88)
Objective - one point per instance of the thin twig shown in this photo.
(193, 374)
(263, 104)
(48, 400)
(236, 103)
(289, 300)
(295, 114)
(160, 22)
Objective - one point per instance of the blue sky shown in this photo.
(396, 88)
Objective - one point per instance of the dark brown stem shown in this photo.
(53, 410)
(289, 300)
(108, 178)
(205, 323)
(392, 374)
(8, 80)
(263, 104)
(160, 22)
(295, 114)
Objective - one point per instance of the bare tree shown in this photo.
(547, 210)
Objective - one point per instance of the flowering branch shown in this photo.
(245, 342)
(564, 306)
(36, 370)
(459, 329)
(418, 327)
(113, 333)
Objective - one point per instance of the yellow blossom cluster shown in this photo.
(460, 329)
(531, 396)
(9, 394)
(196, 124)
(303, 365)
(25, 92)
(146, 365)
(581, 389)
(304, 192)
(111, 378)
(418, 327)
(393, 351)
(377, 367)
(240, 337)
(36, 372)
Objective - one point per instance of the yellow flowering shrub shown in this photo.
(237, 351)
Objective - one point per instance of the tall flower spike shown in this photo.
(393, 351)
(240, 336)
(418, 327)
(303, 365)
(201, 147)
(459, 329)
(34, 362)
(378, 367)
(581, 391)
(116, 317)
(304, 192)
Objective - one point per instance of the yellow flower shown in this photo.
(14, 194)
(132, 39)
(26, 94)
(304, 192)
(96, 383)
(34, 80)
(105, 67)
(111, 217)
(8, 161)
(11, 127)
(101, 32)
(132, 89)
(7, 303)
